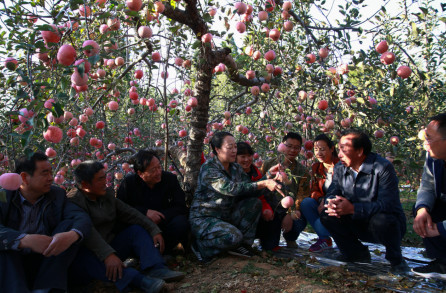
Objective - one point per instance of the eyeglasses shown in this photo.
(293, 147)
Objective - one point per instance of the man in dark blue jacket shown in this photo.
(430, 208)
(362, 203)
(39, 231)
(157, 195)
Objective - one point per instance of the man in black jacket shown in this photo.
(363, 203)
(39, 231)
(158, 195)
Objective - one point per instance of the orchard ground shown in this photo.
(299, 270)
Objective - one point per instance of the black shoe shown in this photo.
(241, 251)
(152, 285)
(434, 269)
(166, 275)
(400, 268)
(364, 258)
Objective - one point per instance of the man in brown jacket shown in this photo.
(118, 231)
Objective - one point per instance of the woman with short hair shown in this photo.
(225, 208)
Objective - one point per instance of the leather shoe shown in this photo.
(152, 285)
(363, 257)
(166, 274)
(400, 268)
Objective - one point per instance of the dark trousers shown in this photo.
(269, 231)
(22, 273)
(175, 231)
(385, 229)
(132, 241)
(436, 246)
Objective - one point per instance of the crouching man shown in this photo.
(39, 231)
(430, 208)
(363, 203)
(118, 232)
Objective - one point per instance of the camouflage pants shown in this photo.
(215, 235)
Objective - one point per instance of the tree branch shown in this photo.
(112, 85)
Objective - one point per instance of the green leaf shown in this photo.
(25, 138)
(93, 59)
(28, 152)
(57, 110)
(425, 11)
(81, 69)
(196, 44)
(72, 93)
(44, 27)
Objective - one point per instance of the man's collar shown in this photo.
(23, 199)
(367, 165)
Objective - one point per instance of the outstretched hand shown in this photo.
(272, 185)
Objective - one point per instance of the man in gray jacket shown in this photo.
(118, 231)
(430, 208)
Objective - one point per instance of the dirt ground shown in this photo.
(268, 274)
(263, 273)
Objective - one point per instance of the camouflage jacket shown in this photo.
(218, 190)
(299, 187)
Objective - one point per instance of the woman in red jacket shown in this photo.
(312, 206)
(244, 159)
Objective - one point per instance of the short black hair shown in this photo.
(360, 140)
(292, 135)
(243, 148)
(85, 171)
(328, 141)
(440, 120)
(217, 140)
(28, 165)
(142, 159)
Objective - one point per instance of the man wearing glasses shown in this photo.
(290, 223)
(430, 208)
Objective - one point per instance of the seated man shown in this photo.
(430, 208)
(299, 187)
(158, 195)
(363, 203)
(118, 231)
(39, 231)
